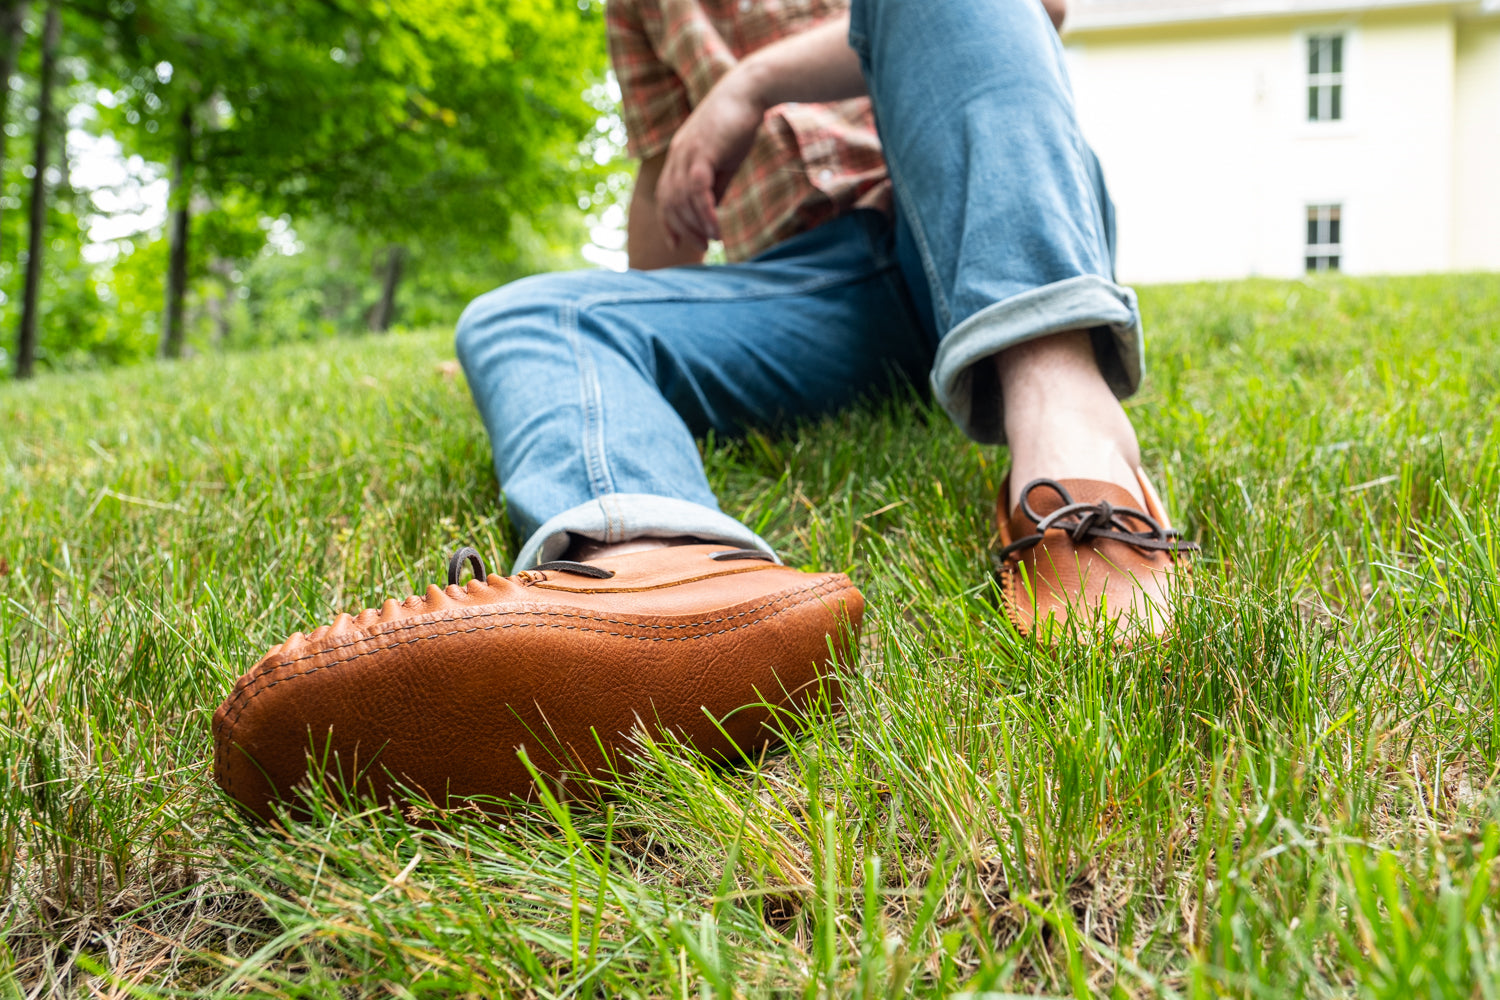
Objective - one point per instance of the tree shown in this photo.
(12, 33)
(436, 138)
(385, 310)
(493, 134)
(37, 241)
(179, 202)
(403, 120)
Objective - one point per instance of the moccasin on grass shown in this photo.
(437, 694)
(1077, 554)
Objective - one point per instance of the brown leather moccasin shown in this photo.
(1081, 550)
(569, 660)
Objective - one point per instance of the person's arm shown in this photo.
(815, 65)
(645, 240)
(654, 105)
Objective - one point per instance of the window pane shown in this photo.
(1333, 230)
(1333, 263)
(1313, 44)
(1336, 53)
(1312, 227)
(1312, 104)
(1312, 263)
(1335, 108)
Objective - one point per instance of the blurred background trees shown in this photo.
(182, 175)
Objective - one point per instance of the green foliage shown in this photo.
(403, 120)
(1295, 795)
(326, 289)
(463, 131)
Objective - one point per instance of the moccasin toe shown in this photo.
(1078, 555)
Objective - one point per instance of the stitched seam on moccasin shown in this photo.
(1180, 567)
(231, 718)
(471, 613)
(1012, 604)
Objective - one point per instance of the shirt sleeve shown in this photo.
(654, 100)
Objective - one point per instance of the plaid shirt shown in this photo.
(810, 162)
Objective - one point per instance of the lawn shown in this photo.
(1296, 794)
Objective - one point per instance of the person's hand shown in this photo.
(704, 154)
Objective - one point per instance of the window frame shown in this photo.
(1323, 225)
(1327, 55)
(1296, 107)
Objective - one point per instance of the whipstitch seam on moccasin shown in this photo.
(1012, 602)
(1182, 568)
(465, 613)
(231, 718)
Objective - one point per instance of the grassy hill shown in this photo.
(1295, 795)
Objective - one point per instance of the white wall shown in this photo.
(1476, 153)
(1211, 162)
(1400, 168)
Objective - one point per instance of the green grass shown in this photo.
(1294, 795)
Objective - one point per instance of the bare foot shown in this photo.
(1061, 419)
(586, 549)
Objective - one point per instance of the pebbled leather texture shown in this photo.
(1059, 579)
(440, 691)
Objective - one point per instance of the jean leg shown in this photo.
(592, 384)
(536, 379)
(1006, 219)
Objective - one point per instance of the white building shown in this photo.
(1273, 137)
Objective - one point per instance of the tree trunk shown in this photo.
(37, 234)
(218, 305)
(12, 32)
(172, 332)
(385, 310)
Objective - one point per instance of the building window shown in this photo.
(1324, 247)
(1325, 78)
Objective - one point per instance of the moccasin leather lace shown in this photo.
(456, 566)
(1094, 521)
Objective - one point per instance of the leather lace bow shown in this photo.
(1092, 521)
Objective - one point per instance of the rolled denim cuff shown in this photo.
(964, 380)
(620, 517)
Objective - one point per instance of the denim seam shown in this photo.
(601, 482)
(611, 515)
(919, 237)
(1084, 154)
(811, 285)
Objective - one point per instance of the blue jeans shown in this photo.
(593, 384)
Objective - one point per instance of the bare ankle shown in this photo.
(1062, 421)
